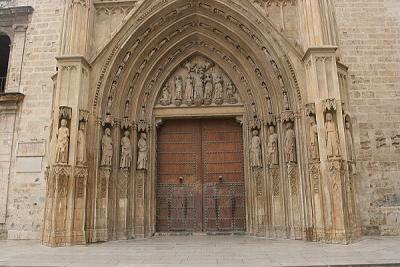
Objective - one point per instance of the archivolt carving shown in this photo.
(205, 7)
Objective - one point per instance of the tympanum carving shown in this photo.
(198, 82)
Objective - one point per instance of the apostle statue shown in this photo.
(178, 90)
(219, 90)
(314, 149)
(208, 89)
(106, 148)
(290, 143)
(81, 149)
(142, 152)
(62, 147)
(349, 139)
(255, 150)
(189, 91)
(126, 151)
(332, 139)
(273, 156)
(165, 99)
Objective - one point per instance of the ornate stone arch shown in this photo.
(135, 66)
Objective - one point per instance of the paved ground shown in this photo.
(203, 251)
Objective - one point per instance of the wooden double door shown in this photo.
(200, 183)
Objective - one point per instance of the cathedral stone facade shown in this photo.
(125, 119)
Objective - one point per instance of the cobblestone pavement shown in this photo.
(204, 251)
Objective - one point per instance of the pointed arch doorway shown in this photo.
(200, 183)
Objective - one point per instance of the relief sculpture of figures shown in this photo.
(189, 91)
(178, 90)
(62, 143)
(255, 151)
(219, 90)
(165, 99)
(106, 148)
(273, 158)
(290, 143)
(142, 152)
(208, 89)
(231, 93)
(199, 86)
(349, 139)
(314, 150)
(81, 149)
(332, 139)
(126, 151)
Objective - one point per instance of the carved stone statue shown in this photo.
(290, 143)
(126, 109)
(81, 149)
(286, 104)
(178, 90)
(349, 139)
(189, 90)
(106, 148)
(109, 105)
(314, 149)
(62, 148)
(208, 89)
(165, 99)
(231, 93)
(142, 152)
(332, 139)
(199, 86)
(255, 151)
(273, 156)
(219, 90)
(126, 151)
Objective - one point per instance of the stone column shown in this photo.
(67, 180)
(328, 172)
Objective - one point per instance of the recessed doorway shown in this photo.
(200, 183)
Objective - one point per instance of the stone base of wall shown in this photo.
(23, 235)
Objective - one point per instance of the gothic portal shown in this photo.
(200, 116)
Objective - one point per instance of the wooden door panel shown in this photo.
(222, 147)
(200, 176)
(179, 206)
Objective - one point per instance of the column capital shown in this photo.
(328, 49)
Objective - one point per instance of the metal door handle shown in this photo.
(180, 179)
(220, 178)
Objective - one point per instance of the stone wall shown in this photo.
(26, 195)
(369, 34)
